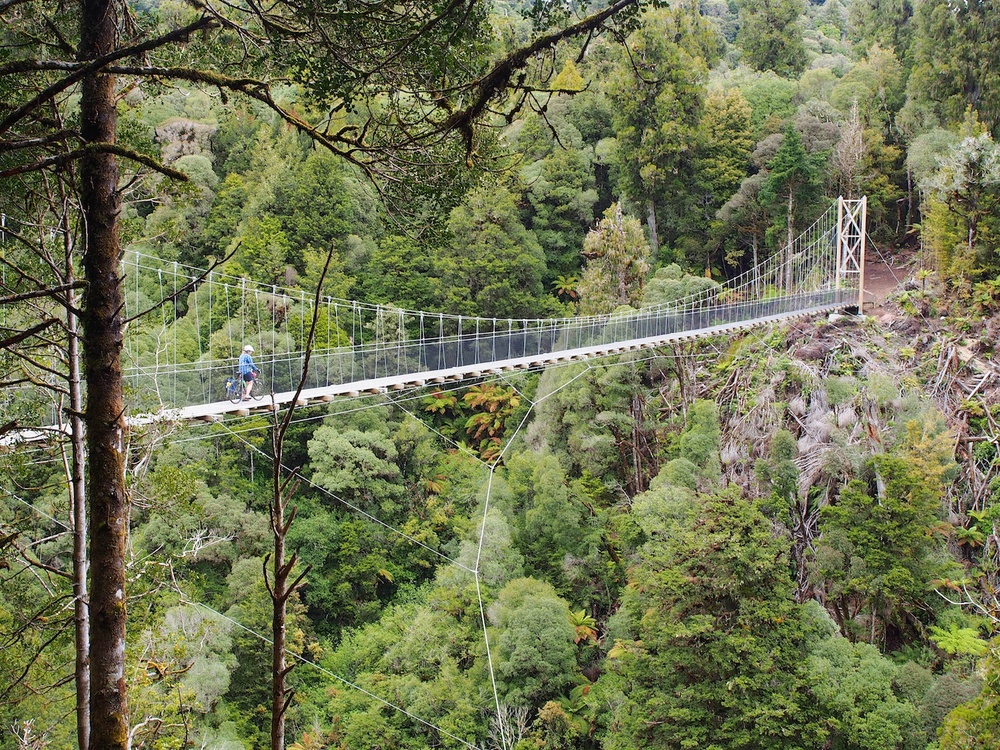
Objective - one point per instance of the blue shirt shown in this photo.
(246, 364)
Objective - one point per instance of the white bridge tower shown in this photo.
(852, 220)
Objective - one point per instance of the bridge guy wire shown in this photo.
(475, 571)
(374, 519)
(491, 467)
(323, 670)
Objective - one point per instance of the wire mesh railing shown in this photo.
(181, 353)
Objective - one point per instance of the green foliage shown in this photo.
(493, 266)
(191, 652)
(298, 320)
(249, 686)
(771, 99)
(262, 253)
(401, 272)
(599, 420)
(551, 523)
(617, 263)
(725, 142)
(535, 643)
(392, 660)
(958, 640)
(885, 22)
(356, 464)
(718, 645)
(670, 284)
(876, 556)
(975, 725)
(657, 92)
(771, 36)
(699, 443)
(562, 199)
(313, 203)
(953, 70)
(852, 683)
(779, 471)
(493, 409)
(792, 184)
(967, 184)
(224, 216)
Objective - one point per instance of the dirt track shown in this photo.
(881, 280)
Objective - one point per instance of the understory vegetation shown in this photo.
(786, 538)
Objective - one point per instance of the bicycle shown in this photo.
(234, 388)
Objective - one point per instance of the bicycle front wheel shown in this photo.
(258, 389)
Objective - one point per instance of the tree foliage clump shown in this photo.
(617, 263)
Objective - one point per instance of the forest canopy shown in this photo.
(783, 539)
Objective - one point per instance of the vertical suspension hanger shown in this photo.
(163, 323)
(477, 357)
(229, 321)
(401, 343)
(421, 343)
(327, 302)
(211, 358)
(442, 351)
(175, 361)
(260, 331)
(359, 340)
(340, 364)
(292, 377)
(197, 334)
(243, 313)
(274, 327)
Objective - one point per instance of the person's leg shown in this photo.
(247, 386)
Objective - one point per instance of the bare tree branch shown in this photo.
(91, 148)
(19, 337)
(90, 67)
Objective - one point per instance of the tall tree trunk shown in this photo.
(279, 588)
(104, 416)
(973, 226)
(79, 505)
(654, 238)
(791, 239)
(279, 596)
(281, 521)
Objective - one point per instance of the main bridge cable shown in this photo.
(795, 269)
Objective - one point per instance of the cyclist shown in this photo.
(248, 370)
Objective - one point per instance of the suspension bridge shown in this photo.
(179, 356)
(185, 328)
